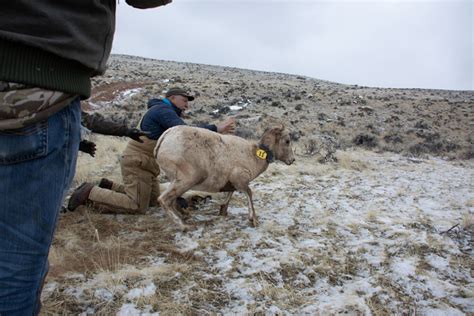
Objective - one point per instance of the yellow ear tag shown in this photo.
(262, 154)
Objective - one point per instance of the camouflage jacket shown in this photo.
(22, 105)
(97, 123)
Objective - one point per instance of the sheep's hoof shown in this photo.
(223, 211)
(184, 213)
(186, 227)
(253, 222)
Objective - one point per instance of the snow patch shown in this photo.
(148, 290)
(132, 310)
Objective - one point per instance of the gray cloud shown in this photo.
(407, 44)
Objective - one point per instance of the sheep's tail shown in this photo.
(158, 143)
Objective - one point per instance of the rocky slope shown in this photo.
(323, 116)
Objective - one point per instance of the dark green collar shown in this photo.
(264, 153)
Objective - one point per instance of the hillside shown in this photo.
(376, 216)
(322, 115)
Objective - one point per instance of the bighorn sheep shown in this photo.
(198, 159)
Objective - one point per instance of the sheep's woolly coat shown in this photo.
(211, 159)
(198, 159)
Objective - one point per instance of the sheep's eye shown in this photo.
(287, 142)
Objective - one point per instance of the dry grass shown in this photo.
(377, 306)
(285, 297)
(470, 203)
(106, 160)
(467, 221)
(115, 250)
(352, 160)
(307, 166)
(372, 215)
(86, 241)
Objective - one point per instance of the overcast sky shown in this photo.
(385, 43)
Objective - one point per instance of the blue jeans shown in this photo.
(37, 165)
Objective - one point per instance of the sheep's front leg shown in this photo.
(240, 179)
(252, 217)
(223, 209)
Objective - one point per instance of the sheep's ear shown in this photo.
(279, 129)
(276, 131)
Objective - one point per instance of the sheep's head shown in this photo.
(279, 141)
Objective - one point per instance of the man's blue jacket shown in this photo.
(161, 115)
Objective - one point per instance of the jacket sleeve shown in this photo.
(210, 127)
(101, 125)
(146, 4)
(167, 118)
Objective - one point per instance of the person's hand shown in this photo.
(135, 133)
(227, 127)
(87, 147)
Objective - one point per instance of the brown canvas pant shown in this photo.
(140, 188)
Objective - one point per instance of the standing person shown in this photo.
(140, 187)
(49, 50)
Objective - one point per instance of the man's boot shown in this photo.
(80, 196)
(182, 207)
(182, 203)
(106, 184)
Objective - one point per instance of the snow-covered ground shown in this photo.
(365, 236)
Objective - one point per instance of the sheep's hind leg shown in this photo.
(223, 208)
(168, 201)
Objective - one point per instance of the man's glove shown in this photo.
(87, 147)
(135, 133)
